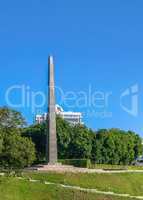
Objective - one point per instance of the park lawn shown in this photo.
(122, 183)
(15, 189)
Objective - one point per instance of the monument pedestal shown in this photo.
(54, 167)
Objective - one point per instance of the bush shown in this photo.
(18, 152)
(76, 162)
(115, 167)
(108, 167)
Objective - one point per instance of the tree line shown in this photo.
(21, 145)
(104, 146)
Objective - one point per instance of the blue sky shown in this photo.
(96, 44)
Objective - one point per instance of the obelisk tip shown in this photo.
(50, 59)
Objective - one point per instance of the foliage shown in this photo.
(1, 142)
(15, 151)
(115, 146)
(105, 146)
(64, 132)
(81, 142)
(108, 166)
(115, 167)
(10, 118)
(76, 162)
(38, 135)
(73, 141)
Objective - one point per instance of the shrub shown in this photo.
(108, 167)
(17, 152)
(76, 162)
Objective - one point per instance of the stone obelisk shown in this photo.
(51, 133)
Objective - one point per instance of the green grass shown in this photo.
(123, 183)
(14, 189)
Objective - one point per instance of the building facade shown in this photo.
(71, 117)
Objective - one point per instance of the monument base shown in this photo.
(53, 167)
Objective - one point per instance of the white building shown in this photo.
(71, 117)
(40, 118)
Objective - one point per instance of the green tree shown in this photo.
(138, 147)
(106, 146)
(73, 141)
(64, 132)
(1, 142)
(10, 118)
(15, 150)
(37, 133)
(115, 146)
(81, 142)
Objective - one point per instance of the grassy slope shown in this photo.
(14, 189)
(128, 183)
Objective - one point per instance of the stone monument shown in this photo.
(51, 147)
